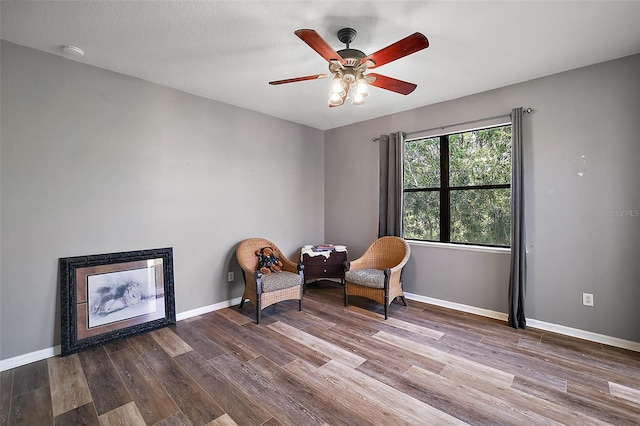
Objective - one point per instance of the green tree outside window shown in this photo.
(457, 187)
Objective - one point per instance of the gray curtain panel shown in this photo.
(390, 211)
(518, 276)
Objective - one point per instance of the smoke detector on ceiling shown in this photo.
(73, 51)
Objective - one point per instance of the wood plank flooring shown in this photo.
(331, 365)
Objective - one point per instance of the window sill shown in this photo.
(463, 247)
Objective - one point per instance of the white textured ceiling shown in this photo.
(230, 50)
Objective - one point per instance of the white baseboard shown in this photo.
(206, 309)
(9, 363)
(458, 306)
(17, 361)
(582, 334)
(533, 323)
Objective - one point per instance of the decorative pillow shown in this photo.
(373, 278)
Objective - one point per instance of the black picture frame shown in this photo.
(108, 297)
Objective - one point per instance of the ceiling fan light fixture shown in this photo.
(337, 85)
(335, 99)
(358, 99)
(362, 88)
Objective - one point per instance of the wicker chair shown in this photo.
(376, 274)
(263, 290)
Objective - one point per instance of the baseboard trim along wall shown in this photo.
(458, 306)
(206, 309)
(17, 361)
(533, 323)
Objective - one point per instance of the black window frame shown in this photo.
(445, 189)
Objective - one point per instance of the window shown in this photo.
(457, 187)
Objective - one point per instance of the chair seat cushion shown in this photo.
(373, 278)
(279, 280)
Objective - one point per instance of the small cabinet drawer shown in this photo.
(319, 271)
(335, 258)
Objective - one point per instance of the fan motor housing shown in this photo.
(351, 57)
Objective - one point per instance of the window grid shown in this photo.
(445, 191)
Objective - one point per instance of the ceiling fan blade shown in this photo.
(318, 44)
(392, 84)
(408, 45)
(293, 80)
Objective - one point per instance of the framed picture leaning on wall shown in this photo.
(108, 297)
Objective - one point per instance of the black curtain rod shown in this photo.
(526, 110)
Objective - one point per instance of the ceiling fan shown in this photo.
(348, 66)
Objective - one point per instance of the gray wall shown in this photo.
(583, 230)
(98, 162)
(95, 162)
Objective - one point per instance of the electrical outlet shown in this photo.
(230, 276)
(587, 299)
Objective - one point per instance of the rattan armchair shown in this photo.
(263, 290)
(376, 274)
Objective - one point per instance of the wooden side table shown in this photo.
(328, 264)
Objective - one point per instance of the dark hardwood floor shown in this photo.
(331, 365)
